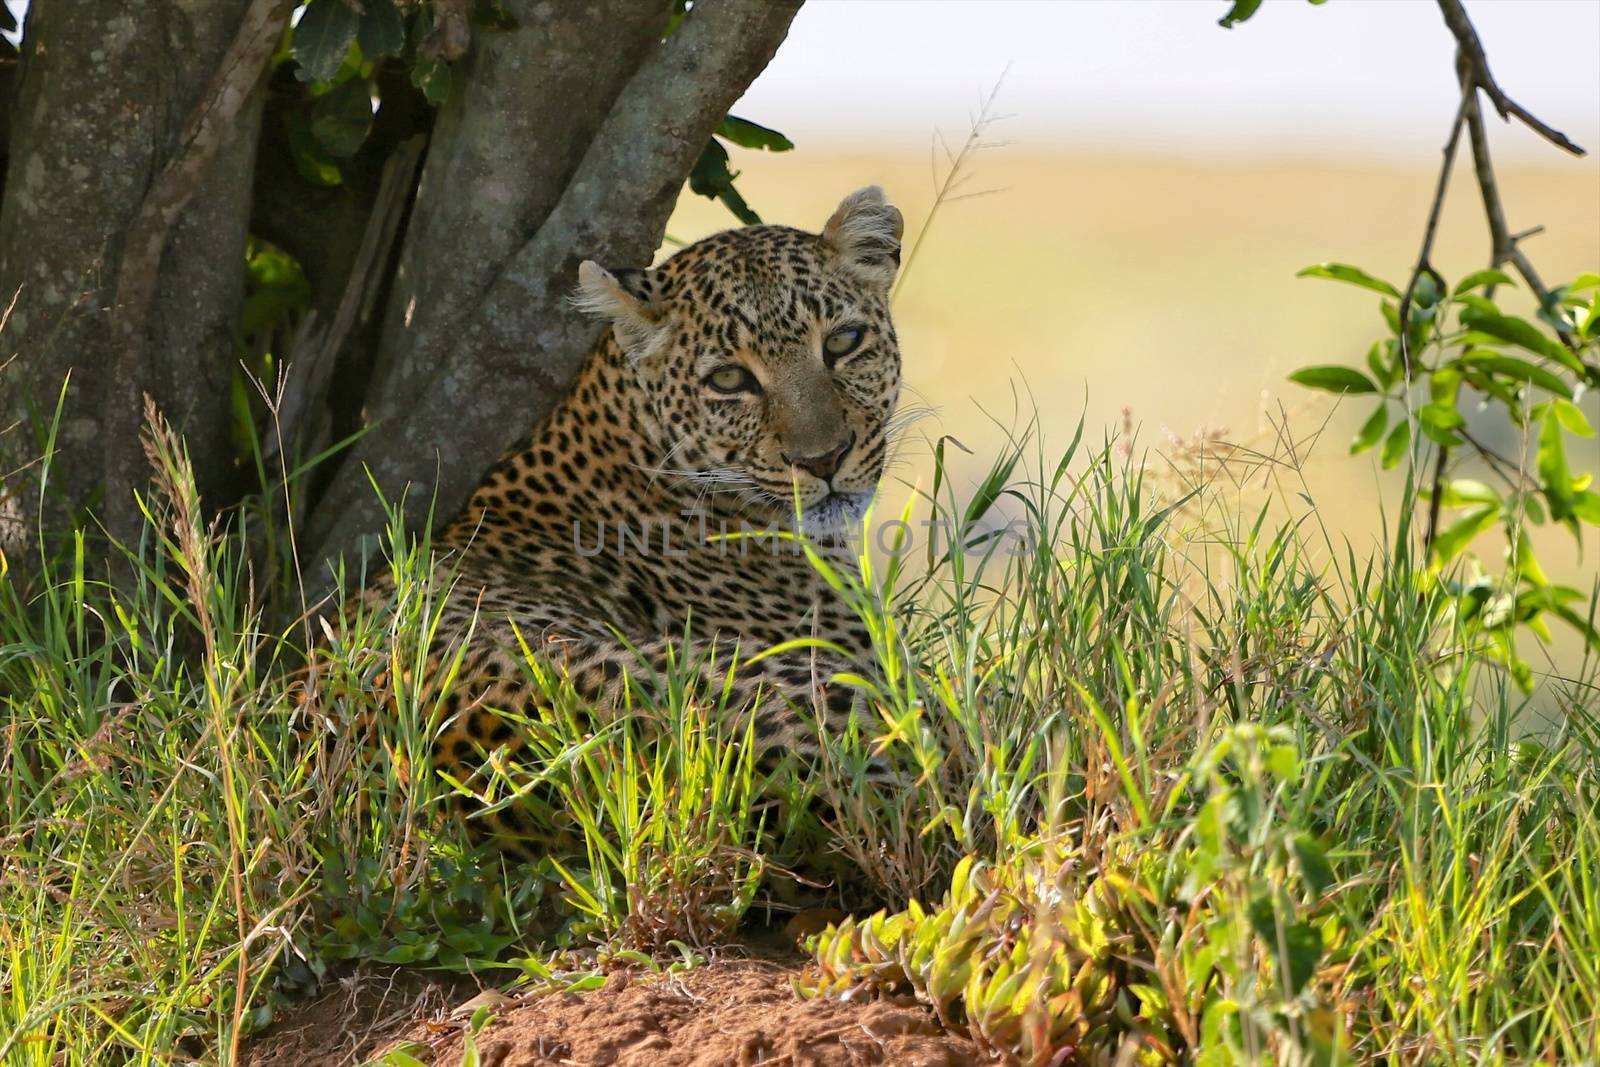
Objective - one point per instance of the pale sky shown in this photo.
(1162, 75)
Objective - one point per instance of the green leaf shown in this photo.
(1586, 506)
(1527, 565)
(1396, 444)
(1444, 384)
(399, 1058)
(1304, 943)
(1371, 430)
(1455, 537)
(1239, 12)
(711, 178)
(1479, 279)
(1343, 272)
(1391, 315)
(1571, 416)
(383, 30)
(1519, 332)
(1586, 280)
(1440, 421)
(1425, 295)
(1442, 416)
(342, 118)
(1552, 312)
(1283, 762)
(747, 134)
(1487, 359)
(1297, 947)
(432, 76)
(1555, 477)
(310, 158)
(1334, 379)
(1313, 862)
(1463, 491)
(323, 39)
(1383, 361)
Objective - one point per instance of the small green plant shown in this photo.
(1197, 941)
(1029, 955)
(1461, 351)
(406, 1054)
(1452, 350)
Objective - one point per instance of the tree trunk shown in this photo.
(480, 338)
(134, 143)
(102, 96)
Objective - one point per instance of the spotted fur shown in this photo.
(598, 537)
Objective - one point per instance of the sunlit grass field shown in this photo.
(1170, 790)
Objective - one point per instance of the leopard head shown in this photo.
(769, 359)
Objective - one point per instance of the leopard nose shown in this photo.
(826, 464)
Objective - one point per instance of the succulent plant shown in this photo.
(1036, 958)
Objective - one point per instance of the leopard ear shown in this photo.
(628, 297)
(864, 233)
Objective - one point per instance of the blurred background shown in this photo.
(1150, 183)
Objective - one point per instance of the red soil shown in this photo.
(734, 1013)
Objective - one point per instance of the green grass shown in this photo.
(1209, 785)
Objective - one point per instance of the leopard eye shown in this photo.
(841, 343)
(732, 380)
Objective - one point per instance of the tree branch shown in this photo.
(525, 107)
(510, 362)
(1477, 63)
(1424, 264)
(1503, 243)
(301, 411)
(214, 118)
(1472, 70)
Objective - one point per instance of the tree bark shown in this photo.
(504, 147)
(539, 164)
(133, 156)
(102, 97)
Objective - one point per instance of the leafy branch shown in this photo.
(1443, 339)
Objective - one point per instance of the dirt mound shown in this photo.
(357, 1015)
(734, 1013)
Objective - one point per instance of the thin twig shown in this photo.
(1503, 243)
(1424, 265)
(1477, 63)
(1511, 471)
(956, 175)
(1494, 211)
(1469, 98)
(1441, 459)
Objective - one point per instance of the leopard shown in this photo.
(738, 403)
